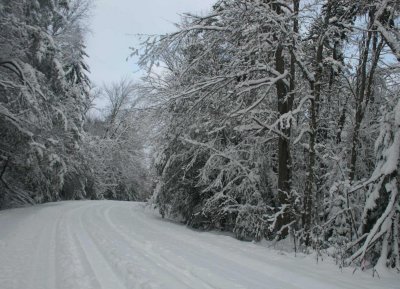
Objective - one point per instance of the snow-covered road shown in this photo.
(118, 245)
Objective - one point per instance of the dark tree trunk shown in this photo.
(284, 159)
(364, 90)
(310, 189)
(285, 97)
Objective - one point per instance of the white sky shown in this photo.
(114, 24)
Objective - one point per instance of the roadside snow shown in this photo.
(118, 245)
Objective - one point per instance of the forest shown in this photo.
(49, 149)
(271, 120)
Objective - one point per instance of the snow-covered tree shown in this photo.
(115, 145)
(41, 106)
(268, 113)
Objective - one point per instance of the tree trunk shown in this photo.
(284, 159)
(310, 189)
(364, 90)
(285, 97)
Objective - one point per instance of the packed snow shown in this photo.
(120, 245)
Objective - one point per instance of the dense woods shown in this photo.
(275, 120)
(44, 89)
(280, 120)
(49, 149)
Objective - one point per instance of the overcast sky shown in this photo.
(114, 24)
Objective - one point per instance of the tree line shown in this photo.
(280, 119)
(50, 147)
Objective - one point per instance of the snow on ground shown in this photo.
(119, 245)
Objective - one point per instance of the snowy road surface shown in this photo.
(118, 245)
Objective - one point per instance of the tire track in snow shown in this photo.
(121, 248)
(103, 271)
(190, 271)
(93, 244)
(73, 268)
(44, 258)
(198, 251)
(251, 263)
(216, 272)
